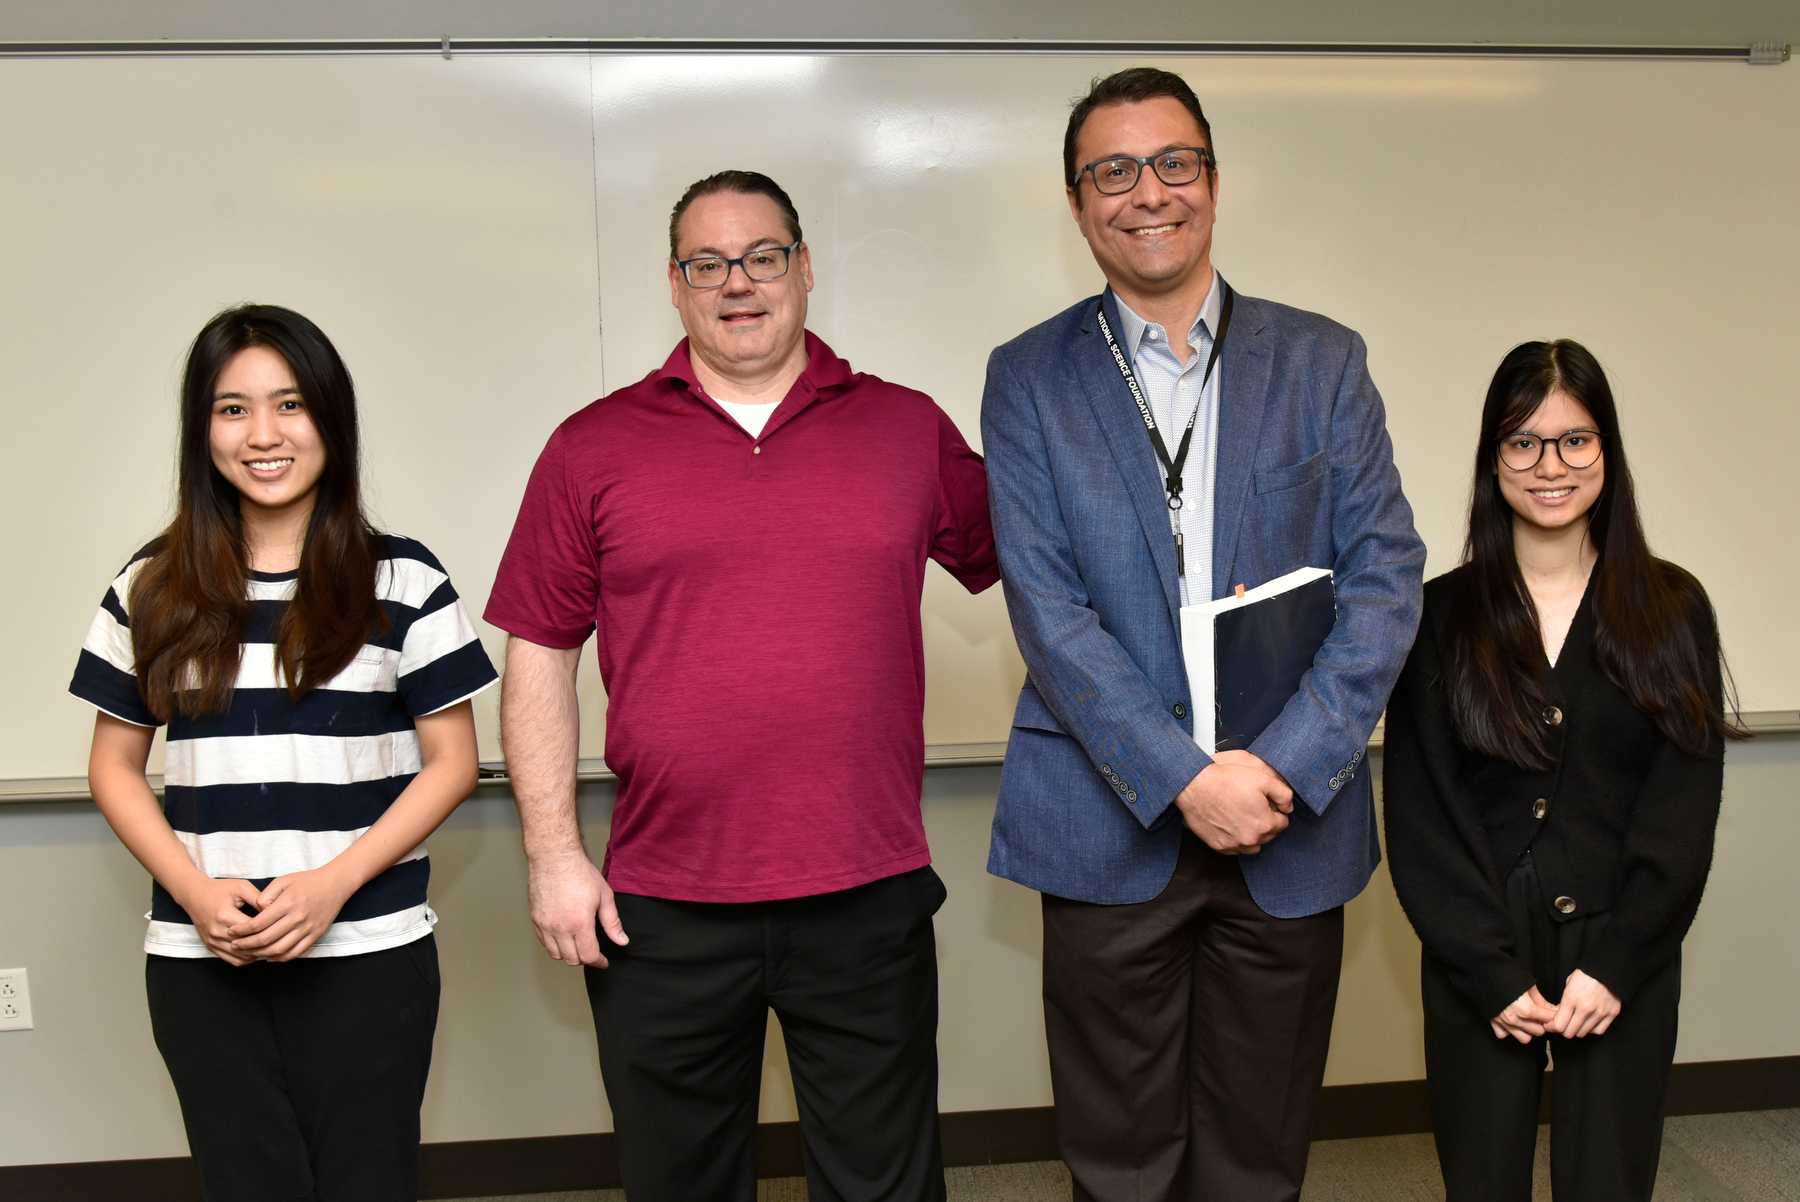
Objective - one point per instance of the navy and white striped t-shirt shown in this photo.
(275, 786)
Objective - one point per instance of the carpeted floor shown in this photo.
(1752, 1157)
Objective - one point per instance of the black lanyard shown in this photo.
(1171, 467)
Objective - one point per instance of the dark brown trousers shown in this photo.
(1187, 1038)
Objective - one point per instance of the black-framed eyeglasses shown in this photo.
(1521, 452)
(1176, 166)
(761, 265)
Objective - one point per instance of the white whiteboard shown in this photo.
(484, 238)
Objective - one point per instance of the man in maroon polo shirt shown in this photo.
(746, 529)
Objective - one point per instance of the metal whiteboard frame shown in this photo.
(40, 790)
(449, 47)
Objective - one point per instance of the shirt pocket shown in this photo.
(374, 670)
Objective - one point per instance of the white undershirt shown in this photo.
(752, 417)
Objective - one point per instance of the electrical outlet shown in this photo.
(15, 1000)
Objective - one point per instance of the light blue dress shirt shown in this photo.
(1172, 389)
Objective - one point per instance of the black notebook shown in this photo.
(1245, 655)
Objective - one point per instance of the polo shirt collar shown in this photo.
(825, 375)
(824, 371)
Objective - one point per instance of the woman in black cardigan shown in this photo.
(1553, 765)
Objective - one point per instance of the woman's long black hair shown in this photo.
(190, 603)
(1654, 631)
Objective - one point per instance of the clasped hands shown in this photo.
(1236, 804)
(292, 911)
(1587, 1008)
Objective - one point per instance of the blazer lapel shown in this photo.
(1245, 365)
(1129, 442)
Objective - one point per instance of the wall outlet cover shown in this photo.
(15, 1000)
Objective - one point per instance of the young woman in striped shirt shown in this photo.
(315, 678)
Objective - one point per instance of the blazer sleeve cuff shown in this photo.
(1154, 802)
(1316, 778)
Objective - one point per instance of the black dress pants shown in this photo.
(1606, 1093)
(682, 1011)
(1187, 1038)
(300, 1082)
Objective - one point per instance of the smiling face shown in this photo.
(263, 442)
(1154, 240)
(1553, 497)
(746, 327)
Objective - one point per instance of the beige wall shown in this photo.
(515, 1048)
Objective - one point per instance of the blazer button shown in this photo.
(1552, 716)
(1566, 905)
(1180, 710)
(1539, 807)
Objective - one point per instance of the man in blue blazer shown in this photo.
(1154, 446)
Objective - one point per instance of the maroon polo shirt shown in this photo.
(757, 606)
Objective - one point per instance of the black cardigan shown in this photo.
(1626, 822)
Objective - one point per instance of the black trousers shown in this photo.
(681, 1016)
(1606, 1093)
(300, 1082)
(1187, 1038)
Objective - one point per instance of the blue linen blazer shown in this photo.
(1305, 476)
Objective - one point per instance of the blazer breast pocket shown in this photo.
(1282, 479)
(1288, 521)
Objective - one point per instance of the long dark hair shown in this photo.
(1654, 632)
(190, 603)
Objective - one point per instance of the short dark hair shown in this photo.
(746, 183)
(1134, 85)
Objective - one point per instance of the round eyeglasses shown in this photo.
(761, 265)
(1577, 449)
(1176, 166)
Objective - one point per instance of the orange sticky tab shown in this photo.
(1240, 590)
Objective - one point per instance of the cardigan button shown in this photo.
(1566, 905)
(1539, 807)
(1552, 716)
